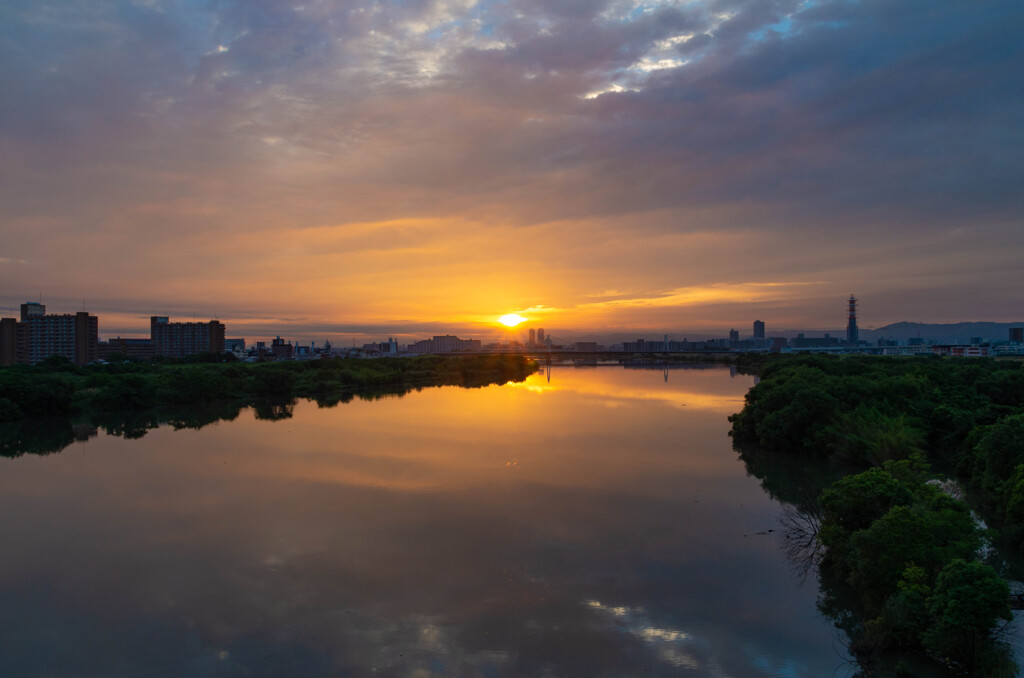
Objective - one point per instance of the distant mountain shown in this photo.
(942, 333)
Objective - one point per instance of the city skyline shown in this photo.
(523, 333)
(604, 167)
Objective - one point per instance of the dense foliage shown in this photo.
(908, 553)
(900, 551)
(964, 415)
(58, 388)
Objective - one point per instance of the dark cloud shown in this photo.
(839, 113)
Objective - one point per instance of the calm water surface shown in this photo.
(590, 522)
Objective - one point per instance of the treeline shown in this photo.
(906, 552)
(59, 388)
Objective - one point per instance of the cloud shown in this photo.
(220, 141)
(704, 294)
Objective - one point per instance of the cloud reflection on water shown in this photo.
(392, 538)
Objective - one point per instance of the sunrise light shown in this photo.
(511, 319)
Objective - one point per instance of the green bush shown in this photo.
(969, 600)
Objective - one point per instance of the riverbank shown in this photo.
(899, 553)
(61, 389)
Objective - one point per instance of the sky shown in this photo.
(417, 167)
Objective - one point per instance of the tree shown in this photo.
(969, 599)
(998, 453)
(868, 436)
(855, 502)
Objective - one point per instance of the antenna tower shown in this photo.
(852, 334)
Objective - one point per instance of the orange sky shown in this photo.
(328, 170)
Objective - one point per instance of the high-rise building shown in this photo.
(31, 309)
(758, 329)
(540, 335)
(177, 340)
(533, 337)
(8, 341)
(38, 336)
(852, 335)
(734, 335)
(1017, 335)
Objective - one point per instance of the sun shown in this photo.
(511, 319)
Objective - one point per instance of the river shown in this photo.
(586, 522)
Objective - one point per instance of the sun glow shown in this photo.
(511, 319)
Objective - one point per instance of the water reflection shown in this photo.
(596, 525)
(35, 437)
(52, 434)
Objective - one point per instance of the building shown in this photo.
(962, 351)
(32, 309)
(1017, 335)
(909, 350)
(8, 341)
(133, 349)
(384, 348)
(533, 338)
(444, 344)
(734, 336)
(38, 336)
(638, 346)
(540, 336)
(282, 350)
(74, 337)
(828, 341)
(177, 340)
(852, 334)
(643, 346)
(236, 345)
(758, 329)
